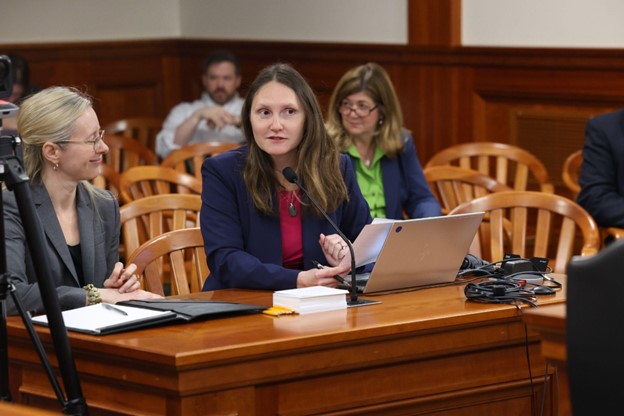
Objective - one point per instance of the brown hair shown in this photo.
(319, 170)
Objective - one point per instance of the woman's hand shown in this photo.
(114, 296)
(125, 280)
(322, 277)
(334, 248)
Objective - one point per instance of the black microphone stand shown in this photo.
(12, 173)
(354, 300)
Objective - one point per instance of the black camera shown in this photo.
(6, 81)
(6, 87)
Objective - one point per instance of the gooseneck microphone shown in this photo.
(291, 176)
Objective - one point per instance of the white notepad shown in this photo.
(97, 319)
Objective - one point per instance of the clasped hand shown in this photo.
(217, 117)
(335, 251)
(124, 284)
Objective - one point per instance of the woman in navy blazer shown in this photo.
(366, 121)
(63, 149)
(259, 231)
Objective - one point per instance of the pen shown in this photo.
(320, 266)
(114, 309)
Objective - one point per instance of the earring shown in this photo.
(380, 122)
(56, 166)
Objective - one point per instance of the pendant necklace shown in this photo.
(366, 159)
(292, 211)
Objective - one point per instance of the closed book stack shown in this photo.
(311, 299)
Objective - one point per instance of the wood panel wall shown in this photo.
(449, 94)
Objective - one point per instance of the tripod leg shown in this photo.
(6, 286)
(17, 181)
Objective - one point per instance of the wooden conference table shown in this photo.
(427, 351)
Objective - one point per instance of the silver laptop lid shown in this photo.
(423, 252)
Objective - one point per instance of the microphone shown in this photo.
(291, 176)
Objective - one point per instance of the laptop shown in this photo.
(412, 253)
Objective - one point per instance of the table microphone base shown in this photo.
(361, 302)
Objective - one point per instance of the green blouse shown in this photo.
(370, 181)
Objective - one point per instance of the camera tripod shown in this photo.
(16, 180)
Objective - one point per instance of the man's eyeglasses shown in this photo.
(99, 136)
(360, 109)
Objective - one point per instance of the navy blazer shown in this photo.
(99, 242)
(602, 172)
(405, 186)
(243, 246)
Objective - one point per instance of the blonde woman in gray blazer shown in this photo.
(63, 150)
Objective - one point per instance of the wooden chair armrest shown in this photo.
(615, 232)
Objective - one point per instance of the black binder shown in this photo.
(190, 310)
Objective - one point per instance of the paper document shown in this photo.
(97, 319)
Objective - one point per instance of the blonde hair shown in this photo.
(373, 80)
(48, 116)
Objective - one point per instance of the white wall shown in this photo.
(530, 23)
(351, 21)
(543, 23)
(364, 21)
(37, 21)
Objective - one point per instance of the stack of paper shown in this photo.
(311, 299)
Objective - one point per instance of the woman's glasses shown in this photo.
(99, 136)
(360, 109)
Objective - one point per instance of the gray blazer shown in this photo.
(98, 223)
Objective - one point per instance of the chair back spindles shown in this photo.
(532, 224)
(182, 251)
(142, 181)
(508, 164)
(141, 129)
(190, 158)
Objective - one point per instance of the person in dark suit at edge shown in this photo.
(63, 150)
(259, 231)
(602, 171)
(366, 121)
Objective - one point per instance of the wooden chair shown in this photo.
(452, 185)
(543, 225)
(141, 181)
(125, 153)
(173, 248)
(572, 171)
(146, 218)
(141, 129)
(107, 179)
(189, 158)
(509, 165)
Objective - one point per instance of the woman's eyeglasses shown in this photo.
(99, 136)
(360, 109)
